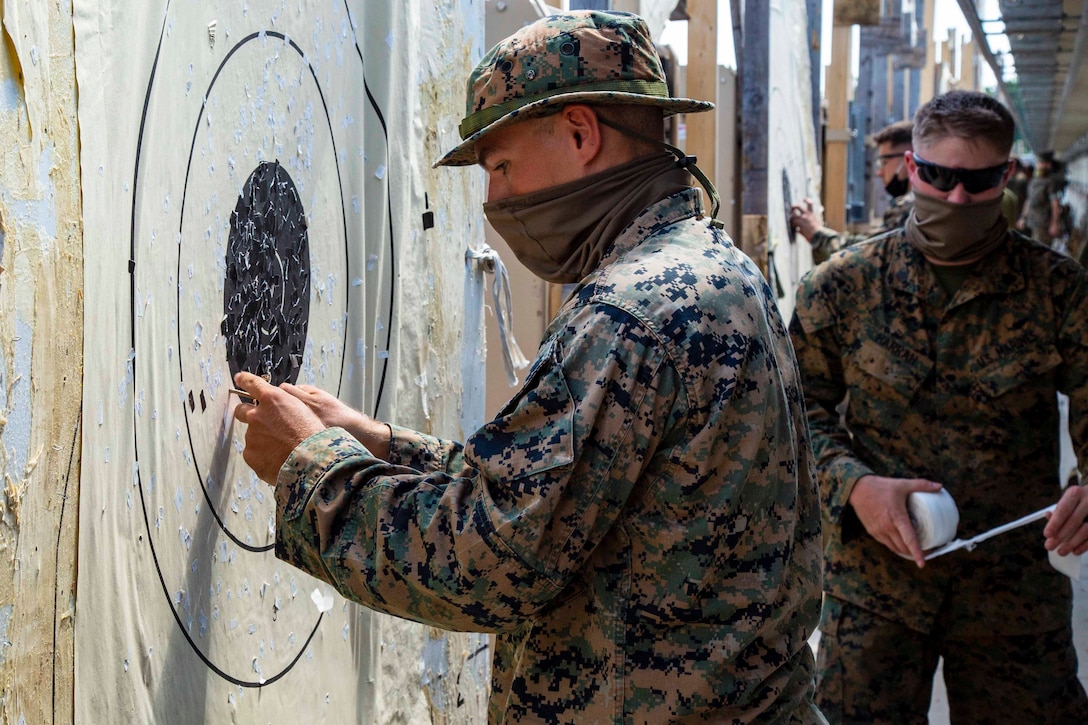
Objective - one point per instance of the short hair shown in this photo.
(969, 115)
(897, 134)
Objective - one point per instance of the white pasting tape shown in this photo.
(935, 517)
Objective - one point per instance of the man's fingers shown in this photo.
(243, 412)
(923, 486)
(301, 391)
(1066, 530)
(890, 534)
(1077, 543)
(294, 390)
(255, 385)
(910, 538)
(891, 539)
(1068, 515)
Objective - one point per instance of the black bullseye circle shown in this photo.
(266, 292)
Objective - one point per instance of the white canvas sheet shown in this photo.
(258, 195)
(792, 157)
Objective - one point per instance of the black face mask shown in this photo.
(897, 187)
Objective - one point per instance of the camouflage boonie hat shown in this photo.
(575, 57)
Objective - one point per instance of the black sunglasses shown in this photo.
(974, 181)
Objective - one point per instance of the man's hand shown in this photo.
(805, 219)
(1066, 531)
(332, 412)
(881, 505)
(326, 406)
(276, 425)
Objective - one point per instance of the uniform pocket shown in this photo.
(532, 433)
(886, 379)
(1009, 373)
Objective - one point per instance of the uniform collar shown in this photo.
(1000, 273)
(660, 214)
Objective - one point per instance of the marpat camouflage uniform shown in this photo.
(639, 525)
(961, 391)
(873, 671)
(826, 241)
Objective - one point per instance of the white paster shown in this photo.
(935, 518)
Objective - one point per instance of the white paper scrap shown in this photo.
(322, 601)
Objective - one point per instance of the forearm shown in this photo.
(825, 242)
(407, 543)
(373, 434)
(838, 467)
(819, 359)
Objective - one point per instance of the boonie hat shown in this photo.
(576, 57)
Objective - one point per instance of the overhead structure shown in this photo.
(1043, 74)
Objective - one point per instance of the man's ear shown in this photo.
(582, 129)
(1009, 172)
(912, 168)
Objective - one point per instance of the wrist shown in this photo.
(375, 435)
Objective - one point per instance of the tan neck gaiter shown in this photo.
(561, 233)
(955, 233)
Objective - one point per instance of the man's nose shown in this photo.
(959, 195)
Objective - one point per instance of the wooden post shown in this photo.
(702, 82)
(815, 25)
(929, 72)
(754, 62)
(968, 78)
(948, 59)
(838, 129)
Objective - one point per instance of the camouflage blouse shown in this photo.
(826, 241)
(639, 525)
(960, 390)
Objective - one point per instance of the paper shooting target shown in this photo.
(250, 250)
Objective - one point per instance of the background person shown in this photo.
(950, 340)
(639, 525)
(1018, 185)
(891, 143)
(1041, 216)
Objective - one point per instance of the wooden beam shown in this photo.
(929, 72)
(754, 62)
(857, 12)
(968, 81)
(755, 84)
(838, 129)
(702, 82)
(815, 32)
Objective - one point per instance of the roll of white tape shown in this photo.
(935, 518)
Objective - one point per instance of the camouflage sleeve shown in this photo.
(422, 452)
(826, 242)
(819, 357)
(1073, 348)
(482, 538)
